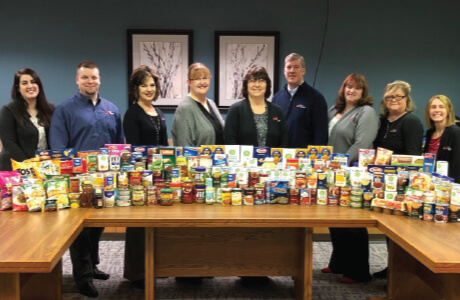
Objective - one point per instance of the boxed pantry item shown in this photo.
(407, 160)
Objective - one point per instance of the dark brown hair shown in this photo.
(44, 108)
(139, 76)
(256, 73)
(88, 64)
(359, 81)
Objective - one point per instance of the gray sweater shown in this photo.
(191, 127)
(355, 130)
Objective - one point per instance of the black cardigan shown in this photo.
(449, 149)
(139, 129)
(240, 127)
(19, 140)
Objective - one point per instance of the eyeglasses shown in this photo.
(260, 80)
(200, 79)
(394, 98)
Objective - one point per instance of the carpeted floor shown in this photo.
(325, 286)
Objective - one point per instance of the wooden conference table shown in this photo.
(201, 240)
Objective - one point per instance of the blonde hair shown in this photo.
(391, 87)
(450, 111)
(198, 67)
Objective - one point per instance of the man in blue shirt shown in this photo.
(86, 122)
(304, 107)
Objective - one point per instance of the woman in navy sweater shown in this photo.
(254, 120)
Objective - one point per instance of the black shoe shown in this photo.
(139, 284)
(193, 280)
(250, 281)
(98, 274)
(88, 289)
(381, 274)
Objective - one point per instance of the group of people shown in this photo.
(296, 117)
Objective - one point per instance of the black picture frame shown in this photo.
(238, 51)
(150, 47)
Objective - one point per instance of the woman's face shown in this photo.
(28, 88)
(199, 83)
(257, 88)
(352, 93)
(438, 111)
(396, 101)
(147, 90)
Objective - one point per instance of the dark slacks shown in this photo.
(350, 254)
(84, 253)
(134, 268)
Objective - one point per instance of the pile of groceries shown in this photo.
(125, 175)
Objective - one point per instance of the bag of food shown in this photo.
(34, 193)
(19, 199)
(25, 168)
(279, 193)
(7, 180)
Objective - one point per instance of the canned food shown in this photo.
(305, 198)
(441, 213)
(226, 196)
(236, 196)
(429, 210)
(321, 197)
(109, 198)
(138, 197)
(146, 178)
(165, 197)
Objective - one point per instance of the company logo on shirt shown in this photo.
(393, 130)
(276, 119)
(300, 106)
(108, 112)
(447, 148)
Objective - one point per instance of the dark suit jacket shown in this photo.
(240, 127)
(19, 140)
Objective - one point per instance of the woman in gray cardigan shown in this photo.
(197, 120)
(353, 125)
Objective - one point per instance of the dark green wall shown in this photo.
(412, 40)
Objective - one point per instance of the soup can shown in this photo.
(441, 213)
(429, 210)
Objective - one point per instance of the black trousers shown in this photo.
(84, 253)
(350, 253)
(134, 268)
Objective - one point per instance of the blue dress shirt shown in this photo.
(78, 123)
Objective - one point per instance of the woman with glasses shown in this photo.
(353, 125)
(197, 120)
(443, 136)
(400, 130)
(254, 120)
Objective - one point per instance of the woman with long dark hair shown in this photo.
(25, 121)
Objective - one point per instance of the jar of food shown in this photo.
(200, 193)
(151, 195)
(159, 184)
(210, 198)
(74, 185)
(200, 175)
(86, 198)
(176, 192)
(253, 177)
(166, 197)
(138, 198)
(188, 196)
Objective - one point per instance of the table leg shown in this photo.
(149, 263)
(303, 283)
(9, 286)
(410, 279)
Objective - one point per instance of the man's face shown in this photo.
(293, 71)
(88, 82)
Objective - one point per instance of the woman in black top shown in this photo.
(400, 130)
(443, 136)
(143, 124)
(254, 120)
(24, 122)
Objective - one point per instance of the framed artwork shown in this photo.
(168, 53)
(236, 53)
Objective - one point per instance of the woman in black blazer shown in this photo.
(24, 122)
(143, 124)
(254, 120)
